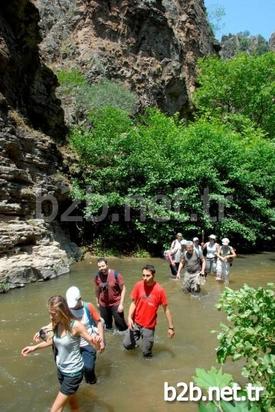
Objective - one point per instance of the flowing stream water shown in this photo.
(126, 381)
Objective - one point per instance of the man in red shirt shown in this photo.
(147, 295)
(110, 292)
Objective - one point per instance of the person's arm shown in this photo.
(94, 340)
(122, 296)
(100, 328)
(97, 292)
(42, 345)
(232, 253)
(99, 324)
(181, 265)
(171, 329)
(131, 312)
(202, 265)
(37, 336)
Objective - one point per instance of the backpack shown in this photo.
(89, 314)
(116, 277)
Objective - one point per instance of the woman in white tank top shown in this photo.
(65, 340)
(211, 254)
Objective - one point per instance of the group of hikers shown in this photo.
(199, 260)
(76, 331)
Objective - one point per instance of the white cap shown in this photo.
(179, 234)
(195, 239)
(183, 242)
(225, 241)
(72, 296)
(212, 237)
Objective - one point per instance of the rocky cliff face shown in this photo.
(150, 45)
(31, 121)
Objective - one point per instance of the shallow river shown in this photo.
(126, 381)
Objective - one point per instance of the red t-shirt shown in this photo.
(108, 288)
(147, 300)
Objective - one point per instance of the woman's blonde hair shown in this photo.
(59, 304)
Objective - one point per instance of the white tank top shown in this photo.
(211, 250)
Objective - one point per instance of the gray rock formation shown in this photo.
(149, 45)
(271, 42)
(31, 121)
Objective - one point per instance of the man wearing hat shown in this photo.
(89, 316)
(194, 264)
(225, 255)
(175, 253)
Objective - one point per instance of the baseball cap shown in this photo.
(225, 241)
(72, 296)
(195, 239)
(212, 237)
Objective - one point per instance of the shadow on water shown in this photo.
(126, 381)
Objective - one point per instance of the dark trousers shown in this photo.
(109, 313)
(174, 269)
(132, 336)
(88, 354)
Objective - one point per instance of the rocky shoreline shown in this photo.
(33, 251)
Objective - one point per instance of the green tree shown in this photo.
(160, 168)
(243, 85)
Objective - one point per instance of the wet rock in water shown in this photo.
(32, 254)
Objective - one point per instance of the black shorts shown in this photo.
(69, 383)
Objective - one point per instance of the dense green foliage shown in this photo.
(244, 85)
(250, 336)
(160, 168)
(89, 97)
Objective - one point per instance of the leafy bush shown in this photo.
(217, 379)
(108, 93)
(89, 97)
(244, 85)
(159, 168)
(250, 336)
(71, 78)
